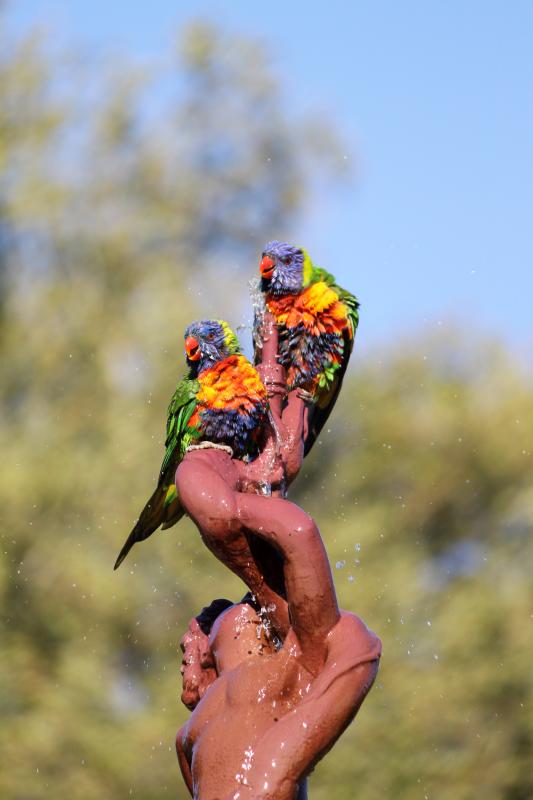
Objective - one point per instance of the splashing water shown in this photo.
(266, 626)
(258, 305)
(265, 488)
(279, 444)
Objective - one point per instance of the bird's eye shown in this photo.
(210, 337)
(286, 260)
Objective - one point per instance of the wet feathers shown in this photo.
(221, 400)
(317, 321)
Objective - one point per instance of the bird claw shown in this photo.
(304, 395)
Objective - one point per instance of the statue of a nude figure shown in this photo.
(268, 700)
(263, 717)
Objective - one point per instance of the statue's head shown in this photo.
(220, 638)
(237, 635)
(198, 665)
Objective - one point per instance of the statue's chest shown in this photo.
(272, 685)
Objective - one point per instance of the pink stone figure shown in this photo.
(270, 690)
(264, 714)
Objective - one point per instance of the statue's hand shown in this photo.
(266, 473)
(280, 461)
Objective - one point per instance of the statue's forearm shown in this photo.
(206, 482)
(287, 753)
(308, 581)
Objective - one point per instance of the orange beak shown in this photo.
(267, 267)
(192, 348)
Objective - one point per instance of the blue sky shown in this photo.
(436, 103)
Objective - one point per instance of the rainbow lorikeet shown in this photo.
(316, 321)
(221, 400)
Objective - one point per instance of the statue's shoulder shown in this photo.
(357, 641)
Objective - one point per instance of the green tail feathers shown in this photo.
(171, 495)
(162, 509)
(174, 515)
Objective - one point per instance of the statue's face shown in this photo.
(197, 665)
(237, 635)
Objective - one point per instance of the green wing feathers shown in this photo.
(319, 274)
(352, 304)
(181, 408)
(332, 382)
(350, 300)
(164, 507)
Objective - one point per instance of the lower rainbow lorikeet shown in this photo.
(221, 400)
(316, 321)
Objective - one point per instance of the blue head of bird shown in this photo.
(282, 269)
(207, 342)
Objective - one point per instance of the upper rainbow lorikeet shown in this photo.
(316, 320)
(221, 399)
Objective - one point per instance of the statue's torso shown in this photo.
(236, 711)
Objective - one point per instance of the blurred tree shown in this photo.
(130, 202)
(429, 474)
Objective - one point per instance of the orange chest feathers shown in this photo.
(317, 308)
(232, 384)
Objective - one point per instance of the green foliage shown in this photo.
(119, 223)
(428, 469)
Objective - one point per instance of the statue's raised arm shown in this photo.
(265, 712)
